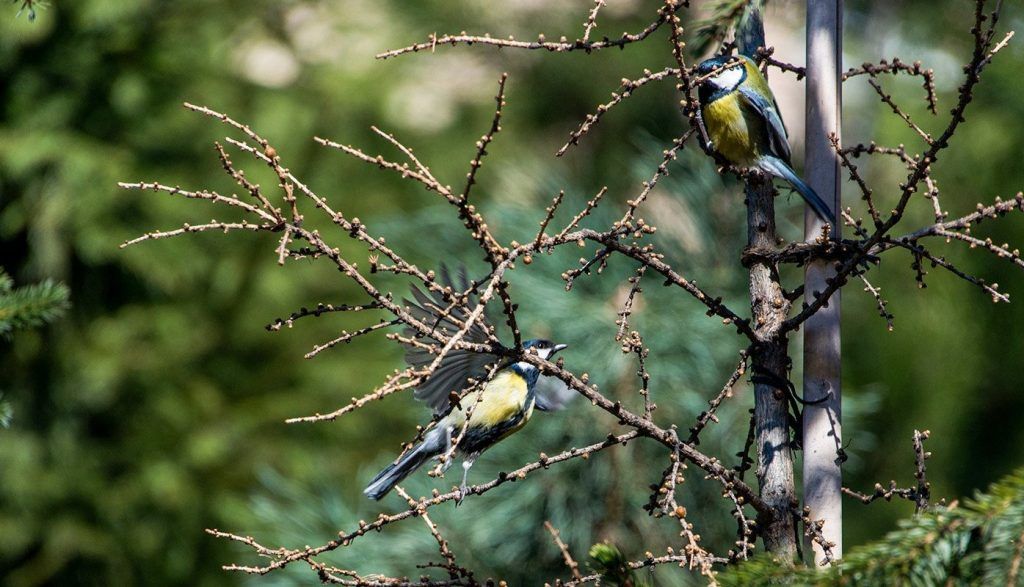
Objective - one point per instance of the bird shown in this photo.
(499, 408)
(740, 123)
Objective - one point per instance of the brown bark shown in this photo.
(770, 362)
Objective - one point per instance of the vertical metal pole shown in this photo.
(822, 429)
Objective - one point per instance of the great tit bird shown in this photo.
(500, 408)
(741, 123)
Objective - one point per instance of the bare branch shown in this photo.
(433, 41)
(574, 567)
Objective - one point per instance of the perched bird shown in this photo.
(740, 122)
(501, 407)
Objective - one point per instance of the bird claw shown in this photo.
(464, 487)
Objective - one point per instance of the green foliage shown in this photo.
(26, 307)
(978, 543)
(29, 306)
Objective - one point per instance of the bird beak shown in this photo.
(557, 348)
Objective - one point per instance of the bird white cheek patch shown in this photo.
(729, 78)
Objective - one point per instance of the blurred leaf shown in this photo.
(608, 561)
(30, 306)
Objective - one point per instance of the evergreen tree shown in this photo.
(29, 306)
(980, 542)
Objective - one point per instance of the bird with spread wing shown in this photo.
(491, 409)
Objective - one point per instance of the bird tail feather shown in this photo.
(394, 473)
(779, 168)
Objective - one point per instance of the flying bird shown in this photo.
(501, 407)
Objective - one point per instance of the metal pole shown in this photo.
(822, 429)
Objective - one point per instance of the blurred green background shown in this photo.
(155, 407)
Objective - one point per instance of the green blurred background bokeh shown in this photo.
(155, 407)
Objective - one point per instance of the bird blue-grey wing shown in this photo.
(769, 112)
(452, 375)
(458, 366)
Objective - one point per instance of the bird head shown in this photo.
(545, 348)
(725, 80)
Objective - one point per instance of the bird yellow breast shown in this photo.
(499, 401)
(731, 129)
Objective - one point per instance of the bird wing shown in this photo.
(551, 393)
(459, 365)
(705, 139)
(768, 110)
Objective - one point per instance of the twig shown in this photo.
(625, 91)
(591, 23)
(570, 562)
(708, 415)
(887, 98)
(876, 292)
(433, 41)
(920, 494)
(318, 311)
